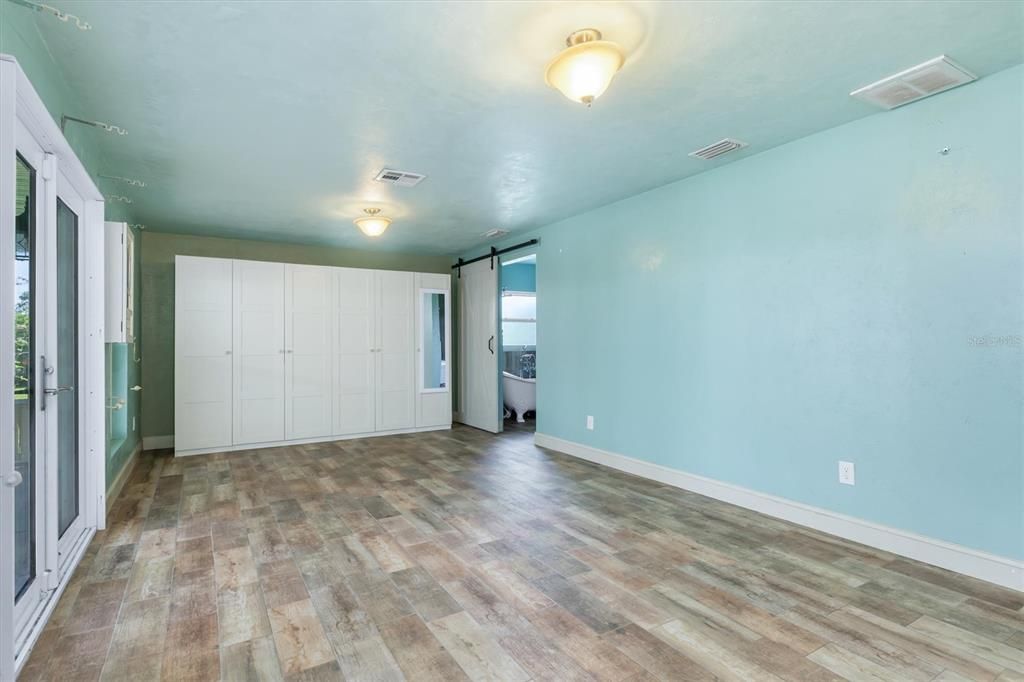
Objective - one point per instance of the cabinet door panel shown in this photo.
(259, 352)
(395, 356)
(203, 343)
(355, 370)
(308, 311)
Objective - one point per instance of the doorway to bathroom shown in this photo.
(518, 308)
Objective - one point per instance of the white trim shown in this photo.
(157, 442)
(37, 627)
(972, 562)
(306, 441)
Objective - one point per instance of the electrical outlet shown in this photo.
(590, 422)
(846, 473)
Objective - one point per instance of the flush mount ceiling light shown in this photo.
(585, 68)
(372, 224)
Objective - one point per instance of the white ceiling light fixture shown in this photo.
(585, 68)
(372, 224)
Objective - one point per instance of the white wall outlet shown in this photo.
(590, 422)
(847, 475)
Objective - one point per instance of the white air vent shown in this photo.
(397, 177)
(934, 76)
(495, 233)
(717, 149)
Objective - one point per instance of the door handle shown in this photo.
(59, 389)
(13, 479)
(490, 344)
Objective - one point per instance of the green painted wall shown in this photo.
(157, 299)
(20, 37)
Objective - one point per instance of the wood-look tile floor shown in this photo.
(456, 555)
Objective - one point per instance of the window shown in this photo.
(519, 319)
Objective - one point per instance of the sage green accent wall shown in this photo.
(158, 252)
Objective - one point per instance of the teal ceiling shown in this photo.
(268, 120)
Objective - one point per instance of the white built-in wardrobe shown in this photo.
(274, 353)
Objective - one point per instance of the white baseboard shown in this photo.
(975, 563)
(307, 441)
(157, 442)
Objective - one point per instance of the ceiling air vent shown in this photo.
(495, 233)
(717, 149)
(397, 177)
(930, 78)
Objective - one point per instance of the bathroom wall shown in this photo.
(158, 252)
(519, 277)
(852, 295)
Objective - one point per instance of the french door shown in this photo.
(49, 452)
(51, 347)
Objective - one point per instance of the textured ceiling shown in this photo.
(268, 120)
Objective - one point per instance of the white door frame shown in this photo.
(20, 105)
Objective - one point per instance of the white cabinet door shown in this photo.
(355, 374)
(259, 352)
(433, 350)
(308, 331)
(203, 347)
(395, 351)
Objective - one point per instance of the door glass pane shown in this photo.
(24, 379)
(435, 355)
(67, 366)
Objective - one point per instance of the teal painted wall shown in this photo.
(20, 37)
(852, 295)
(519, 277)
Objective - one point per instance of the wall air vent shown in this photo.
(718, 148)
(397, 177)
(930, 78)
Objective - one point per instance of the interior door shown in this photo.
(308, 315)
(259, 352)
(203, 342)
(355, 369)
(396, 387)
(479, 404)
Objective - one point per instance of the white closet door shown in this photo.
(203, 345)
(259, 352)
(478, 342)
(308, 317)
(354, 367)
(396, 388)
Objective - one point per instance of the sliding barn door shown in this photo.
(395, 351)
(259, 352)
(478, 346)
(355, 369)
(307, 365)
(203, 346)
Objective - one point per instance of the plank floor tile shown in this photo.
(459, 554)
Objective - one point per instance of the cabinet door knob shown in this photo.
(13, 479)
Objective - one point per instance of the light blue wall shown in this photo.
(519, 277)
(851, 295)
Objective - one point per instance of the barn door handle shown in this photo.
(490, 344)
